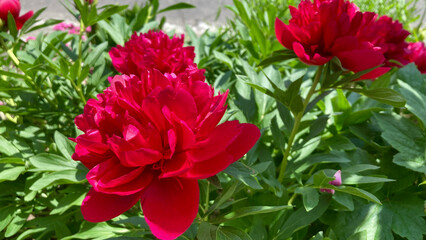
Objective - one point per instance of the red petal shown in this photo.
(176, 166)
(245, 140)
(170, 206)
(216, 142)
(360, 59)
(210, 167)
(22, 19)
(111, 177)
(99, 207)
(283, 34)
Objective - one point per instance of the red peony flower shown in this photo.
(152, 50)
(336, 182)
(150, 139)
(14, 7)
(387, 35)
(323, 29)
(417, 54)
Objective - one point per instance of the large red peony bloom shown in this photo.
(14, 7)
(152, 50)
(322, 29)
(417, 54)
(386, 35)
(150, 139)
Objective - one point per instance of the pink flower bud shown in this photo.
(336, 182)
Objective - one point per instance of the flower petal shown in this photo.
(170, 206)
(283, 34)
(99, 207)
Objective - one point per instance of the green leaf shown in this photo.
(416, 100)
(408, 217)
(17, 223)
(70, 200)
(405, 137)
(252, 210)
(356, 192)
(278, 136)
(93, 231)
(243, 173)
(403, 215)
(277, 58)
(384, 95)
(7, 148)
(115, 35)
(65, 176)
(52, 162)
(340, 142)
(224, 197)
(412, 76)
(301, 218)
(310, 197)
(207, 231)
(344, 199)
(93, 57)
(321, 179)
(65, 146)
(223, 58)
(12, 25)
(303, 164)
(6, 215)
(360, 168)
(10, 174)
(107, 12)
(358, 179)
(177, 6)
(230, 233)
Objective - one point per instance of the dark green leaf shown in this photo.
(301, 218)
(310, 197)
(230, 233)
(177, 6)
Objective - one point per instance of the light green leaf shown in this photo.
(6, 215)
(358, 179)
(7, 148)
(252, 210)
(17, 223)
(65, 176)
(52, 162)
(384, 95)
(65, 146)
(10, 174)
(93, 231)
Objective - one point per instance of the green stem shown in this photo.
(290, 201)
(206, 204)
(77, 86)
(297, 121)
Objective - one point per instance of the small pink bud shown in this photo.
(336, 182)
